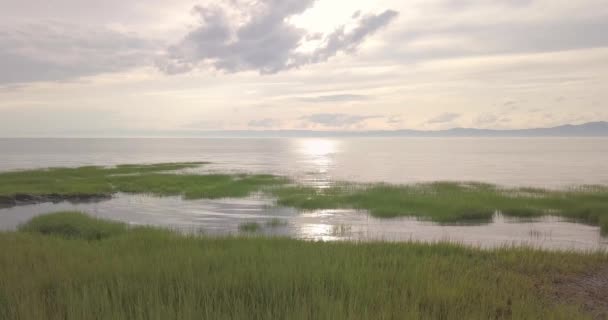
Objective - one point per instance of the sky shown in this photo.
(155, 67)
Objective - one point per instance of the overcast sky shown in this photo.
(115, 67)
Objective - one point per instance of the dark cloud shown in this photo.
(58, 51)
(444, 118)
(337, 119)
(335, 98)
(266, 42)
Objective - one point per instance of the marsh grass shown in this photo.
(156, 179)
(276, 223)
(250, 227)
(73, 225)
(450, 202)
(442, 202)
(146, 273)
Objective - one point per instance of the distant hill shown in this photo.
(592, 129)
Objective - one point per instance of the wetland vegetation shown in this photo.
(444, 202)
(70, 266)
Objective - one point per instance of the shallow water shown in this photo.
(222, 217)
(541, 162)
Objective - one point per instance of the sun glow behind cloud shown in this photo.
(326, 16)
(495, 64)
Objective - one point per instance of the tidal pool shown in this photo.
(223, 217)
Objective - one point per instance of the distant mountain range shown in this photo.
(592, 129)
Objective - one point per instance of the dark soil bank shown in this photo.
(25, 199)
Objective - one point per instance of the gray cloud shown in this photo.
(335, 98)
(266, 43)
(55, 51)
(444, 118)
(340, 40)
(337, 119)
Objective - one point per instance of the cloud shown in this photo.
(461, 28)
(348, 41)
(337, 119)
(444, 118)
(264, 123)
(394, 120)
(56, 51)
(335, 98)
(265, 42)
(231, 36)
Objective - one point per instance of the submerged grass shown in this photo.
(145, 273)
(445, 202)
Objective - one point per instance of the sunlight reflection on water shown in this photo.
(223, 217)
(538, 162)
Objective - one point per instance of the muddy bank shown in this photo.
(589, 289)
(27, 199)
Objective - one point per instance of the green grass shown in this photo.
(154, 179)
(449, 202)
(145, 273)
(276, 223)
(73, 225)
(250, 227)
(444, 202)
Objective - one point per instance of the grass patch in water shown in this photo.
(73, 225)
(449, 202)
(250, 227)
(149, 273)
(276, 223)
(154, 179)
(443, 202)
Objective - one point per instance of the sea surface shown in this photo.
(541, 162)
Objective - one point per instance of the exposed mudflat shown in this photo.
(589, 289)
(29, 199)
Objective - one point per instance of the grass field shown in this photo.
(70, 266)
(445, 202)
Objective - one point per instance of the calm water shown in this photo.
(543, 162)
(552, 163)
(221, 217)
